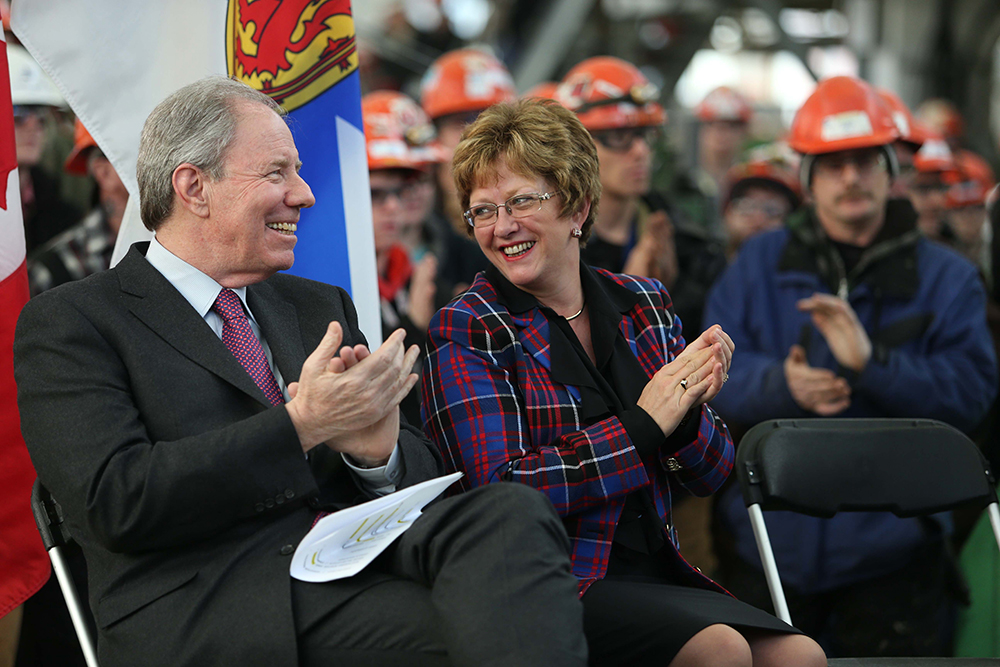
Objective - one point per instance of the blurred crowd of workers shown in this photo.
(851, 263)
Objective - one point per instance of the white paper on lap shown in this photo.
(341, 544)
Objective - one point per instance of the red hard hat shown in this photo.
(724, 104)
(843, 113)
(76, 163)
(465, 80)
(546, 90)
(942, 117)
(971, 180)
(608, 93)
(398, 134)
(765, 172)
(909, 130)
(934, 156)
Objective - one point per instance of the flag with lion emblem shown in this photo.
(115, 61)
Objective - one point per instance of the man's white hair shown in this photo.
(195, 125)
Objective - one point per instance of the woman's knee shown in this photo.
(715, 646)
(779, 650)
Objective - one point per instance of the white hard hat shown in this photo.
(28, 83)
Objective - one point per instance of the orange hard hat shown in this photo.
(724, 104)
(465, 80)
(934, 156)
(398, 134)
(76, 163)
(909, 130)
(770, 173)
(971, 180)
(5, 14)
(843, 113)
(608, 93)
(546, 90)
(942, 117)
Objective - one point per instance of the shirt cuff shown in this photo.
(642, 430)
(380, 481)
(686, 432)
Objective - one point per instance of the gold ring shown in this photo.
(684, 384)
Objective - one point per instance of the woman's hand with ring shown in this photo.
(681, 385)
(711, 336)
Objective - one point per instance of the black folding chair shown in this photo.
(55, 537)
(823, 466)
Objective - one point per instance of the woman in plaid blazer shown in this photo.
(577, 382)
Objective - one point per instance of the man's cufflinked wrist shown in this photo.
(367, 465)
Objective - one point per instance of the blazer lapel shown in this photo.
(532, 330)
(155, 302)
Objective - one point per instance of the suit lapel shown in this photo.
(155, 302)
(279, 324)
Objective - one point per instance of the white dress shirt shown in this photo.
(201, 292)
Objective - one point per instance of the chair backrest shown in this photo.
(824, 466)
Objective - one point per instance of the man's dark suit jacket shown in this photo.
(185, 488)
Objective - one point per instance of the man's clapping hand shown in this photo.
(348, 397)
(818, 390)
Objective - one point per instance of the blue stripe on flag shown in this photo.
(322, 251)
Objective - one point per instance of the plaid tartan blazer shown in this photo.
(490, 404)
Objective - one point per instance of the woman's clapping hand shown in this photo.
(695, 377)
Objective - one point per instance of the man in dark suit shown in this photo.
(170, 406)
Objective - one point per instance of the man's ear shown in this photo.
(191, 187)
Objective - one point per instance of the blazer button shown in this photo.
(280, 499)
(269, 503)
(289, 494)
(313, 503)
(287, 550)
(259, 507)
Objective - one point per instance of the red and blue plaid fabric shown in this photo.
(492, 407)
(239, 338)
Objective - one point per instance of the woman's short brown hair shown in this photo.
(533, 137)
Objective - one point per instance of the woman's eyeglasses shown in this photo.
(518, 206)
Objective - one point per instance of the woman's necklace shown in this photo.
(577, 313)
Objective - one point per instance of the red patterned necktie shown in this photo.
(241, 341)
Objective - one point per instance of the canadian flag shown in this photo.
(24, 566)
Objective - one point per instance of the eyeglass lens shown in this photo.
(621, 139)
(518, 206)
(23, 112)
(403, 193)
(750, 207)
(864, 161)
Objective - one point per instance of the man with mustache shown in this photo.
(850, 312)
